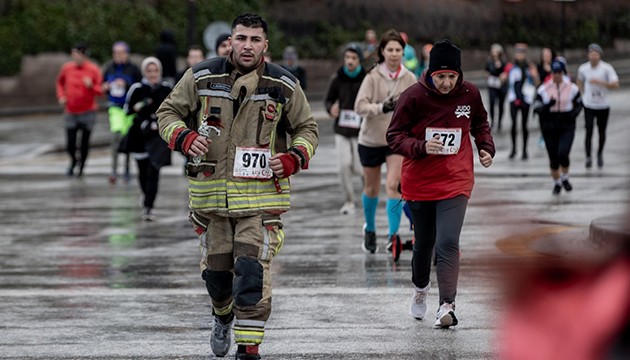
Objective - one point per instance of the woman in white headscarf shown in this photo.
(144, 142)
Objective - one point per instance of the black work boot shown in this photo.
(247, 352)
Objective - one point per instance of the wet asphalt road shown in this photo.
(82, 277)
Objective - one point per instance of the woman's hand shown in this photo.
(434, 146)
(485, 158)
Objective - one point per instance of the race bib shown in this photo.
(349, 119)
(117, 88)
(451, 139)
(597, 97)
(529, 92)
(252, 163)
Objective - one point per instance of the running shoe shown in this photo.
(600, 160)
(589, 162)
(419, 302)
(247, 352)
(512, 154)
(556, 189)
(347, 208)
(81, 165)
(73, 164)
(445, 316)
(394, 245)
(567, 185)
(221, 337)
(369, 241)
(147, 214)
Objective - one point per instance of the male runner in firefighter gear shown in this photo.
(238, 173)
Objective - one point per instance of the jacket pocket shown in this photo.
(267, 122)
(273, 236)
(200, 224)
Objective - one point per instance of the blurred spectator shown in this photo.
(166, 52)
(291, 62)
(77, 85)
(118, 77)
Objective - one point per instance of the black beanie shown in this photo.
(444, 56)
(220, 40)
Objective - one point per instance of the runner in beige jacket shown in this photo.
(375, 102)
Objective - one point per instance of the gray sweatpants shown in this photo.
(438, 223)
(349, 164)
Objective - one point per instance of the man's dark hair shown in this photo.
(250, 21)
(194, 47)
(81, 47)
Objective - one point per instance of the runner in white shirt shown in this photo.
(594, 79)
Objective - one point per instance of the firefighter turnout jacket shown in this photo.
(257, 115)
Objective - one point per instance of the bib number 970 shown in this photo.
(252, 163)
(254, 160)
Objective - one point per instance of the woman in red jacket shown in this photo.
(430, 128)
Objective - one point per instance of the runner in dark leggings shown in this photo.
(558, 104)
(144, 142)
(522, 81)
(590, 118)
(595, 79)
(74, 124)
(431, 128)
(497, 83)
(432, 219)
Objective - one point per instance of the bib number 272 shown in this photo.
(451, 139)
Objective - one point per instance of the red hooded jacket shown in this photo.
(438, 177)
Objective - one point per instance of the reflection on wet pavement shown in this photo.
(81, 276)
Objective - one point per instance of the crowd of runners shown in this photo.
(244, 126)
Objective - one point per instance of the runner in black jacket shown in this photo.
(342, 92)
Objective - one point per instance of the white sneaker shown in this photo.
(445, 316)
(147, 215)
(419, 302)
(348, 208)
